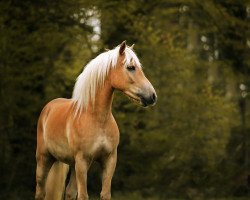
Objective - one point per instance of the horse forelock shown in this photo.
(94, 74)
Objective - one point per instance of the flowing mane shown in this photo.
(95, 73)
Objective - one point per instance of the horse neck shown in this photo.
(102, 106)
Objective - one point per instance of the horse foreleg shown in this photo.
(44, 163)
(81, 169)
(108, 170)
(71, 190)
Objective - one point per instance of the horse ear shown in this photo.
(122, 47)
(132, 46)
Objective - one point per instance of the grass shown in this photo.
(137, 196)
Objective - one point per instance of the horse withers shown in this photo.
(82, 129)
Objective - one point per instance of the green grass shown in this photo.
(137, 196)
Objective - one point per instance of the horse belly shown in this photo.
(60, 150)
(61, 153)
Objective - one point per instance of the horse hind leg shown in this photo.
(56, 180)
(71, 190)
(44, 163)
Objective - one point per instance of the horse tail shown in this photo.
(55, 185)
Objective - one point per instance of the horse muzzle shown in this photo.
(149, 100)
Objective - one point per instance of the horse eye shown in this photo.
(131, 68)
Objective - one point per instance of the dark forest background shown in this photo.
(194, 144)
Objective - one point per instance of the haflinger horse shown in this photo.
(82, 129)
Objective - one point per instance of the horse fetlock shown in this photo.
(39, 195)
(83, 197)
(106, 196)
(70, 196)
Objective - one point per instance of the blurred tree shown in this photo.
(193, 144)
(181, 145)
(38, 62)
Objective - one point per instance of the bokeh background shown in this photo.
(194, 144)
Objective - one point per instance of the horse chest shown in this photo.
(102, 144)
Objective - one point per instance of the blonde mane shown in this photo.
(95, 73)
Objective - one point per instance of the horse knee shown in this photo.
(41, 173)
(43, 166)
(40, 189)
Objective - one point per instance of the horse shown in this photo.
(82, 129)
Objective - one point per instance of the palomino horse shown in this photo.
(80, 130)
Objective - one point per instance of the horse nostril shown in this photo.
(149, 100)
(154, 97)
